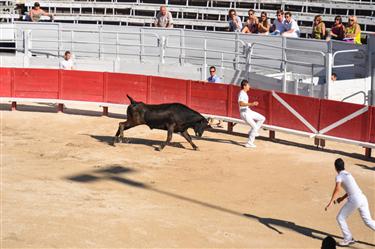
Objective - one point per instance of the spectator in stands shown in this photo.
(328, 243)
(278, 24)
(290, 26)
(319, 28)
(21, 8)
(213, 77)
(164, 18)
(334, 77)
(252, 22)
(235, 23)
(338, 29)
(36, 13)
(353, 30)
(67, 63)
(264, 24)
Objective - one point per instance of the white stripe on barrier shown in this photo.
(344, 120)
(294, 112)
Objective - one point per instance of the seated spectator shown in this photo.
(338, 29)
(252, 22)
(213, 77)
(328, 243)
(163, 18)
(36, 13)
(353, 30)
(278, 24)
(235, 24)
(290, 26)
(67, 63)
(319, 28)
(264, 24)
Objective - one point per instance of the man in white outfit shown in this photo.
(67, 63)
(356, 200)
(254, 119)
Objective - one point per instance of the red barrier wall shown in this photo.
(81, 85)
(35, 83)
(307, 107)
(119, 85)
(6, 82)
(356, 129)
(167, 90)
(372, 120)
(209, 97)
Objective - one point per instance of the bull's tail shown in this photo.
(132, 101)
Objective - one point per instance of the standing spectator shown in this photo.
(252, 22)
(163, 18)
(333, 76)
(213, 77)
(278, 24)
(319, 28)
(338, 29)
(235, 24)
(67, 63)
(290, 26)
(353, 30)
(36, 13)
(248, 115)
(356, 200)
(264, 24)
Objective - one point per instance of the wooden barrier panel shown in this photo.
(35, 83)
(6, 82)
(117, 86)
(82, 85)
(295, 112)
(334, 113)
(210, 98)
(167, 90)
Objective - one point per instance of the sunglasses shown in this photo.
(280, 15)
(351, 20)
(212, 71)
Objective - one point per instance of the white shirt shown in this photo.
(291, 25)
(348, 183)
(242, 96)
(67, 64)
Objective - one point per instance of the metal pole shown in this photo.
(371, 46)
(205, 60)
(283, 58)
(329, 63)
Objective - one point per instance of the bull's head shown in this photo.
(200, 127)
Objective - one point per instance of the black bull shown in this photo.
(174, 117)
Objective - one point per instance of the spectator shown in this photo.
(353, 30)
(251, 23)
(328, 243)
(319, 28)
(278, 25)
(264, 24)
(334, 77)
(235, 24)
(213, 77)
(36, 13)
(290, 26)
(67, 63)
(338, 29)
(163, 18)
(21, 8)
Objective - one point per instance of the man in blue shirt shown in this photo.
(213, 77)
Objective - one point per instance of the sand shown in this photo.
(64, 186)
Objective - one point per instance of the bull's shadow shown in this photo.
(113, 173)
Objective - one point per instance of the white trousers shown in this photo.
(354, 202)
(255, 120)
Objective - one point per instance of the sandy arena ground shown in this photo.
(63, 186)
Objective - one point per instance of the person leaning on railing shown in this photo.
(36, 13)
(338, 29)
(264, 24)
(163, 18)
(234, 22)
(319, 28)
(353, 30)
(251, 25)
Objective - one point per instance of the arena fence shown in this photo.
(315, 118)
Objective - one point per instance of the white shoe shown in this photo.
(346, 242)
(256, 134)
(248, 145)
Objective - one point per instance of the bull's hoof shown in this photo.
(196, 149)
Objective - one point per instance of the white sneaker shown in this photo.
(256, 134)
(346, 242)
(248, 145)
